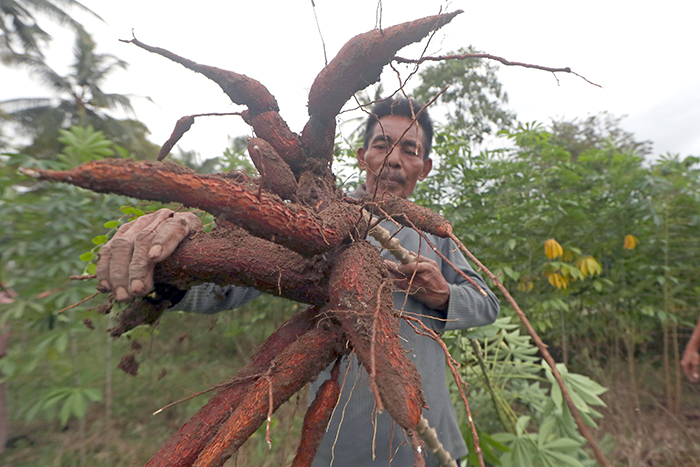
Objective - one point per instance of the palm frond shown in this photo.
(44, 73)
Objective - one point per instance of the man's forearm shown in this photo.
(210, 298)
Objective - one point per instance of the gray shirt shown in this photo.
(356, 436)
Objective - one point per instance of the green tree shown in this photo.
(474, 102)
(673, 217)
(79, 100)
(598, 249)
(596, 132)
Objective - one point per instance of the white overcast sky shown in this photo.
(643, 53)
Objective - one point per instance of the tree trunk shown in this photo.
(678, 396)
(668, 384)
(630, 346)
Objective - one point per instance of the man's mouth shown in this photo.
(392, 178)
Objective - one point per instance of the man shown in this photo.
(395, 156)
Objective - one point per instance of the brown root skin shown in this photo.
(183, 447)
(358, 64)
(316, 419)
(210, 258)
(291, 225)
(293, 367)
(272, 128)
(349, 282)
(317, 192)
(410, 214)
(276, 175)
(263, 111)
(372, 325)
(181, 127)
(138, 313)
(241, 89)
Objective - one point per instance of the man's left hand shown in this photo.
(425, 280)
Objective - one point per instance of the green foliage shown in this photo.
(540, 449)
(83, 145)
(73, 402)
(46, 230)
(507, 204)
(522, 411)
(60, 372)
(595, 244)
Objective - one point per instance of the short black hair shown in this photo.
(401, 107)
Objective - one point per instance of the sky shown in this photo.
(642, 53)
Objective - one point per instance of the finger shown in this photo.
(140, 272)
(104, 259)
(107, 259)
(172, 233)
(102, 268)
(122, 249)
(392, 266)
(156, 243)
(425, 259)
(691, 372)
(688, 372)
(407, 269)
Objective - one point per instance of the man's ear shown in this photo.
(361, 158)
(427, 167)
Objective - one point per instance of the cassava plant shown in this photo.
(291, 233)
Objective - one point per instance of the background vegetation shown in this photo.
(593, 235)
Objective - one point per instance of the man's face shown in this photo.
(403, 154)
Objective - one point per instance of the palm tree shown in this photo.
(79, 100)
(20, 33)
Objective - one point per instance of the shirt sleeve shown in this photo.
(209, 298)
(467, 307)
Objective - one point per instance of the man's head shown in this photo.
(396, 148)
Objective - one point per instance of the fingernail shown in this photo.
(137, 286)
(121, 294)
(155, 251)
(105, 285)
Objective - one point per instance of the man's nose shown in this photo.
(393, 159)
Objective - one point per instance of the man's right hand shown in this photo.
(125, 263)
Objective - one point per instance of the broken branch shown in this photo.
(441, 58)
